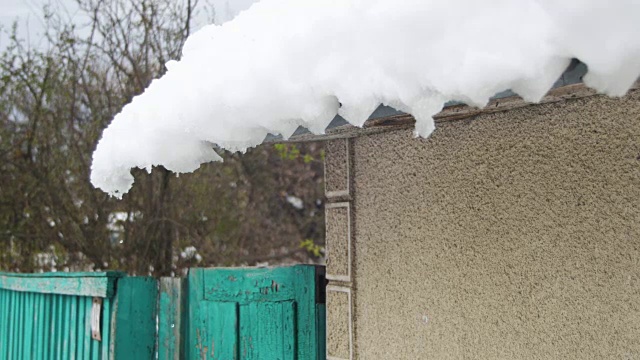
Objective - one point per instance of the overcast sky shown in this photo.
(28, 13)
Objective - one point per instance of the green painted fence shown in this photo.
(221, 313)
(49, 316)
(244, 314)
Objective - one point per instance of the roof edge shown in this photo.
(453, 112)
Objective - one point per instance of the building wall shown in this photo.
(513, 235)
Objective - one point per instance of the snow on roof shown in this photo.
(288, 63)
(389, 118)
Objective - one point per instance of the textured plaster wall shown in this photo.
(513, 235)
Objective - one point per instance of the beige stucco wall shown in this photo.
(513, 235)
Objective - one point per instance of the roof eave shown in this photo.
(385, 118)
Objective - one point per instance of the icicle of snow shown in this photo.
(288, 63)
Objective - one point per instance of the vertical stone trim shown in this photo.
(339, 219)
(338, 241)
(337, 169)
(339, 323)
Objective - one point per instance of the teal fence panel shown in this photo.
(77, 316)
(48, 316)
(220, 313)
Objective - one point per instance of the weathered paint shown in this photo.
(99, 284)
(134, 319)
(268, 329)
(36, 322)
(218, 337)
(194, 322)
(45, 326)
(171, 312)
(255, 313)
(220, 314)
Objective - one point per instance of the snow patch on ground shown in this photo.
(295, 201)
(285, 63)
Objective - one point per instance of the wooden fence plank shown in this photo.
(99, 284)
(134, 318)
(171, 310)
(105, 331)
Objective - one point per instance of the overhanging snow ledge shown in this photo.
(386, 118)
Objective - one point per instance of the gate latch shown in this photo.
(96, 316)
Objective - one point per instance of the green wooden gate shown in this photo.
(245, 314)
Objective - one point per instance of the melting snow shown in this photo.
(285, 63)
(190, 252)
(295, 201)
